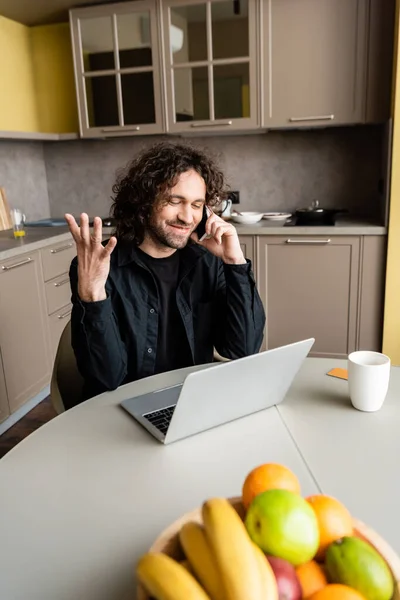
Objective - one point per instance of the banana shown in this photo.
(165, 579)
(268, 580)
(197, 550)
(186, 565)
(233, 551)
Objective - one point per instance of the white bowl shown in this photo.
(247, 218)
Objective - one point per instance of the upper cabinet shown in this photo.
(210, 64)
(186, 66)
(315, 57)
(117, 68)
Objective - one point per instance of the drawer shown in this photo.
(57, 322)
(58, 293)
(56, 259)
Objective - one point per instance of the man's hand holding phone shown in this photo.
(219, 237)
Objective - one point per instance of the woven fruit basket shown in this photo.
(168, 543)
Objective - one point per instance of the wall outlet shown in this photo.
(235, 197)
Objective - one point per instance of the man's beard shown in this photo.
(167, 238)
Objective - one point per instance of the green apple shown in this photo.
(283, 524)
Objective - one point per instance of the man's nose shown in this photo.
(185, 214)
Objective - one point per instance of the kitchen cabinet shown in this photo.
(372, 292)
(314, 62)
(117, 69)
(23, 328)
(4, 407)
(380, 60)
(309, 287)
(56, 260)
(57, 322)
(210, 65)
(248, 245)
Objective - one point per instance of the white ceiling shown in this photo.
(38, 12)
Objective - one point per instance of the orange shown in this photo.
(336, 591)
(312, 578)
(268, 477)
(334, 521)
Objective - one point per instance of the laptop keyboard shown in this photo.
(161, 418)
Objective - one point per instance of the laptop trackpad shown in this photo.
(146, 403)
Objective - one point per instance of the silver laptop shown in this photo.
(219, 394)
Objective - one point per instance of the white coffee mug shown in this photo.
(368, 375)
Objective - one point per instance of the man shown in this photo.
(155, 298)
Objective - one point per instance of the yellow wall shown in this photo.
(18, 111)
(391, 330)
(37, 88)
(54, 78)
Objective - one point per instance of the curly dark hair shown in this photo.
(149, 177)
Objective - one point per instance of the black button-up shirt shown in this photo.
(115, 340)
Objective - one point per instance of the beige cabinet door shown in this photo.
(23, 328)
(247, 243)
(211, 70)
(309, 287)
(118, 68)
(380, 60)
(57, 323)
(314, 62)
(4, 407)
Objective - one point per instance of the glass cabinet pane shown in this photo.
(188, 33)
(134, 40)
(191, 94)
(138, 98)
(97, 44)
(230, 31)
(101, 99)
(231, 91)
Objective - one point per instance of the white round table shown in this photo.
(83, 497)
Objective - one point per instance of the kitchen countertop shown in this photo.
(40, 237)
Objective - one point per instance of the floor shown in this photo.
(38, 416)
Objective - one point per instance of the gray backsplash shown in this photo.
(23, 176)
(280, 170)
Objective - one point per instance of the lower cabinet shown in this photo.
(248, 245)
(23, 328)
(57, 323)
(320, 287)
(4, 407)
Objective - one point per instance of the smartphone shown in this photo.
(201, 227)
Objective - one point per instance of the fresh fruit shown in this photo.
(337, 591)
(197, 550)
(186, 565)
(233, 551)
(334, 521)
(270, 590)
(165, 579)
(289, 587)
(283, 524)
(312, 578)
(356, 563)
(268, 477)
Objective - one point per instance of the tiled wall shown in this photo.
(340, 167)
(273, 171)
(23, 176)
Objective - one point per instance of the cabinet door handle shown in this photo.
(65, 315)
(56, 250)
(124, 128)
(211, 124)
(18, 264)
(60, 283)
(317, 118)
(290, 241)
